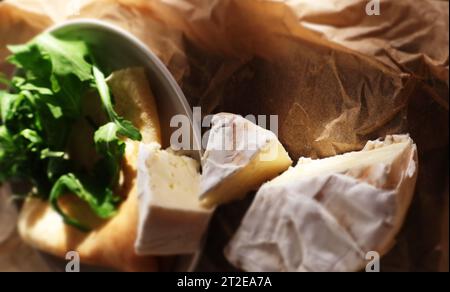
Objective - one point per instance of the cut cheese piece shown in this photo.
(134, 100)
(171, 220)
(240, 156)
(325, 215)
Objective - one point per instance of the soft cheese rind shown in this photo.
(366, 193)
(240, 156)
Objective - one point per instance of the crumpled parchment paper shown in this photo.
(335, 76)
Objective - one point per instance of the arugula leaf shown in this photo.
(125, 127)
(21, 84)
(55, 128)
(12, 155)
(108, 144)
(68, 96)
(31, 59)
(47, 153)
(101, 201)
(8, 105)
(34, 140)
(46, 52)
(18, 112)
(107, 141)
(56, 68)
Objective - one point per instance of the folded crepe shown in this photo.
(110, 243)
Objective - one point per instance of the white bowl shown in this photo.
(115, 48)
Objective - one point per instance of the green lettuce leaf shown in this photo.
(101, 200)
(124, 127)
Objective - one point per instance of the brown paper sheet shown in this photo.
(409, 35)
(335, 76)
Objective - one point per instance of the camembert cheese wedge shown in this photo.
(326, 215)
(239, 158)
(171, 220)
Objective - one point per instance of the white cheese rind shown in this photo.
(236, 145)
(285, 228)
(171, 220)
